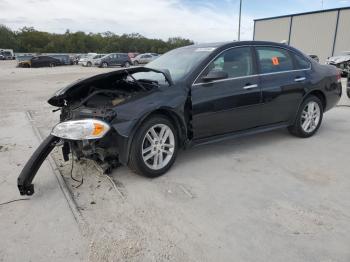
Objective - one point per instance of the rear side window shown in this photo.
(272, 59)
(301, 63)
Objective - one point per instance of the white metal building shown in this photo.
(323, 33)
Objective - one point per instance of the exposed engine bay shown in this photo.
(97, 99)
(88, 110)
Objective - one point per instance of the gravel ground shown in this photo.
(269, 197)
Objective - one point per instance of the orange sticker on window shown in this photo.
(275, 60)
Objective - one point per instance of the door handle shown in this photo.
(299, 79)
(247, 87)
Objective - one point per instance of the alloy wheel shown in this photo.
(310, 117)
(158, 146)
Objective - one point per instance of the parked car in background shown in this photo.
(74, 59)
(142, 116)
(144, 58)
(65, 59)
(2, 57)
(342, 61)
(90, 60)
(40, 61)
(133, 55)
(315, 57)
(114, 59)
(25, 57)
(84, 58)
(7, 54)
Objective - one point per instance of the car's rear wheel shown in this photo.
(89, 64)
(154, 147)
(104, 65)
(309, 118)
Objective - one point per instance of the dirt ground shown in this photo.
(269, 197)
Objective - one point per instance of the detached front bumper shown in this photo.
(81, 136)
(24, 181)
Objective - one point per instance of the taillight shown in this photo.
(338, 76)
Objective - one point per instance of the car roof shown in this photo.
(225, 45)
(235, 43)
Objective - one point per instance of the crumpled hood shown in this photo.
(338, 59)
(59, 98)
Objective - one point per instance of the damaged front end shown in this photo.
(341, 62)
(88, 113)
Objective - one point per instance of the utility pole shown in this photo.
(239, 22)
(322, 3)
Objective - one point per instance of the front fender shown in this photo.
(126, 130)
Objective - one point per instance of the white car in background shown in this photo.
(86, 58)
(144, 58)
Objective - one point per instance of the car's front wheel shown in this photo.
(309, 118)
(154, 147)
(104, 65)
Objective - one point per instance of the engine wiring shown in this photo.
(71, 174)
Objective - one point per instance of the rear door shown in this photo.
(282, 83)
(230, 104)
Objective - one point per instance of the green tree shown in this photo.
(30, 40)
(7, 38)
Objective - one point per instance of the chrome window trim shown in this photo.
(193, 83)
(240, 77)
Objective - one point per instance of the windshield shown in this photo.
(180, 61)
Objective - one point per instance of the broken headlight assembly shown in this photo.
(85, 129)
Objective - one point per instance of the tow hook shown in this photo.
(24, 181)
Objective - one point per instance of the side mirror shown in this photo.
(215, 75)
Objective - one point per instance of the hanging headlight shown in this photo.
(81, 129)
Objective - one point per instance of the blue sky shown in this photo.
(261, 8)
(199, 20)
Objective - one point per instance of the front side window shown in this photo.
(300, 62)
(272, 59)
(236, 62)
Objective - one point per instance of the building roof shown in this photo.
(305, 13)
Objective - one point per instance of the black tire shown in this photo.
(136, 63)
(296, 129)
(88, 64)
(136, 162)
(104, 65)
(126, 64)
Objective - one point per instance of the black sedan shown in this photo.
(40, 61)
(193, 95)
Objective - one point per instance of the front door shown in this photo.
(230, 104)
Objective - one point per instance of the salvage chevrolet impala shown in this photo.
(141, 117)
